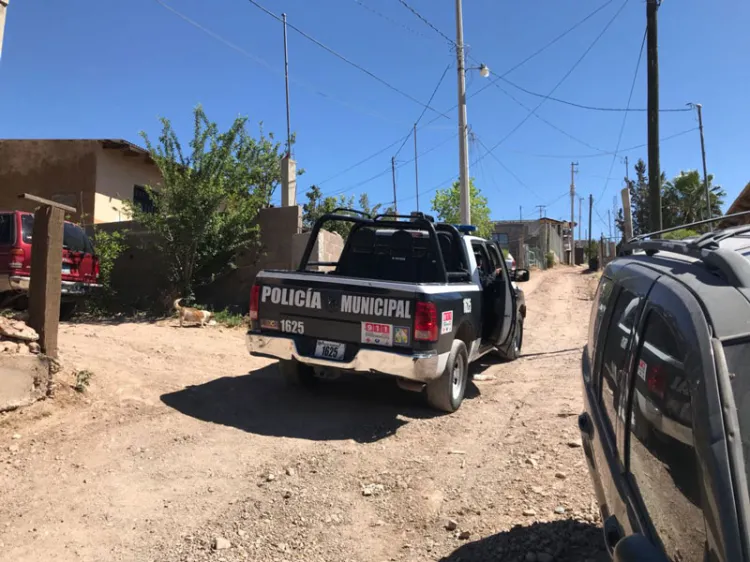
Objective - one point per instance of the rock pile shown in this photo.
(17, 337)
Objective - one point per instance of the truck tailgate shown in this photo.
(336, 309)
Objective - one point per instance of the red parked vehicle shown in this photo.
(80, 266)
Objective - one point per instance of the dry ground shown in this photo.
(185, 448)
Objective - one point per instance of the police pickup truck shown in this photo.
(408, 298)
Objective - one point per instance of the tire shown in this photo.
(513, 350)
(447, 392)
(297, 374)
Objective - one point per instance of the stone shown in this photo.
(220, 543)
(290, 471)
(17, 330)
(575, 444)
(9, 347)
(560, 510)
(561, 475)
(287, 494)
(270, 477)
(531, 462)
(16, 436)
(372, 489)
(451, 525)
(464, 535)
(242, 532)
(35, 347)
(529, 512)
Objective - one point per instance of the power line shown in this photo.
(565, 76)
(590, 107)
(389, 19)
(625, 115)
(608, 153)
(427, 23)
(432, 96)
(511, 172)
(247, 54)
(533, 55)
(347, 61)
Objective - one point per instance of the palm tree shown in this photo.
(684, 201)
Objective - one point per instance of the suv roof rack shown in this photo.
(706, 248)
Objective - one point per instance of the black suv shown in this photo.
(666, 375)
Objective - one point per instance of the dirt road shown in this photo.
(185, 448)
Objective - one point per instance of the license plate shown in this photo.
(65, 269)
(330, 350)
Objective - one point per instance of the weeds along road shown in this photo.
(185, 448)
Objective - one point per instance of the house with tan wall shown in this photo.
(93, 175)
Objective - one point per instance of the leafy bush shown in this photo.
(680, 234)
(228, 319)
(83, 380)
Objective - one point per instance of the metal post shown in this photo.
(463, 133)
(393, 173)
(699, 107)
(416, 166)
(572, 209)
(591, 207)
(580, 218)
(286, 79)
(654, 171)
(3, 11)
(520, 212)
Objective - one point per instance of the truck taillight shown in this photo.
(425, 322)
(656, 380)
(97, 268)
(17, 257)
(254, 301)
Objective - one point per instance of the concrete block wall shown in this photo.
(327, 248)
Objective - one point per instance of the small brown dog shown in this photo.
(188, 314)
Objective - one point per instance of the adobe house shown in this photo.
(92, 175)
(545, 234)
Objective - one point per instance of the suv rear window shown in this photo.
(6, 228)
(74, 238)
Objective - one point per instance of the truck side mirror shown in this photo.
(521, 275)
(637, 548)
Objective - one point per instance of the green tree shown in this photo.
(317, 205)
(684, 199)
(206, 206)
(447, 202)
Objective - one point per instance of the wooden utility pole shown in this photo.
(699, 107)
(654, 170)
(46, 271)
(3, 11)
(416, 165)
(520, 212)
(393, 173)
(572, 210)
(580, 218)
(591, 208)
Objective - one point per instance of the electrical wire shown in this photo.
(424, 110)
(590, 107)
(267, 66)
(389, 19)
(518, 65)
(346, 60)
(511, 172)
(565, 76)
(427, 23)
(625, 115)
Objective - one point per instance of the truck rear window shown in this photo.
(390, 255)
(74, 238)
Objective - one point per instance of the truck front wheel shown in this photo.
(447, 392)
(297, 374)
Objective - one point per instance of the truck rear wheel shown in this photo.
(513, 351)
(447, 392)
(297, 374)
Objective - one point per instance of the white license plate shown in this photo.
(330, 350)
(65, 269)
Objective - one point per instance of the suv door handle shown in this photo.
(613, 533)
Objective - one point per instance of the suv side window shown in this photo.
(480, 253)
(603, 293)
(662, 461)
(614, 359)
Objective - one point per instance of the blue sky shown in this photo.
(88, 68)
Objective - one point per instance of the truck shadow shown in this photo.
(262, 403)
(562, 541)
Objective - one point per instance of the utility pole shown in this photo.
(520, 212)
(699, 107)
(541, 210)
(627, 171)
(3, 10)
(393, 173)
(580, 218)
(654, 171)
(627, 215)
(463, 133)
(416, 166)
(572, 208)
(609, 220)
(591, 207)
(288, 165)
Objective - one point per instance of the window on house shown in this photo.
(142, 199)
(501, 238)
